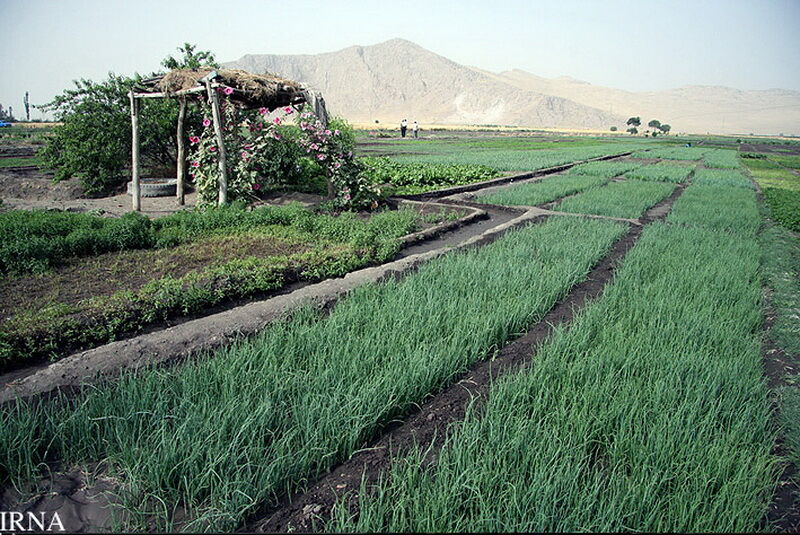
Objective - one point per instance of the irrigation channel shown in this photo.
(425, 428)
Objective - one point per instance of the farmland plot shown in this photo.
(543, 191)
(648, 413)
(661, 172)
(270, 412)
(618, 199)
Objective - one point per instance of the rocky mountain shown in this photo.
(399, 79)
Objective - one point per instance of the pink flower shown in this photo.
(228, 91)
(206, 122)
(245, 155)
(336, 133)
(321, 157)
(327, 132)
(263, 111)
(248, 146)
(194, 139)
(212, 149)
(256, 186)
(288, 110)
(195, 164)
(277, 120)
(314, 146)
(337, 165)
(276, 136)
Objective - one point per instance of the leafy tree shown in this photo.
(27, 107)
(613, 128)
(94, 141)
(634, 121)
(190, 59)
(633, 130)
(665, 128)
(655, 123)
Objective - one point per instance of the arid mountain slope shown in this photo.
(698, 109)
(397, 79)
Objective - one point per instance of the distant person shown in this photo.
(403, 127)
(415, 129)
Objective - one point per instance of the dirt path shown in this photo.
(428, 427)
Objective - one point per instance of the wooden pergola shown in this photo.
(249, 91)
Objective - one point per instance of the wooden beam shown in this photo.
(181, 152)
(223, 168)
(136, 193)
(191, 90)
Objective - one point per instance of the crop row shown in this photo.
(521, 160)
(618, 199)
(722, 177)
(720, 208)
(543, 191)
(37, 240)
(722, 159)
(649, 413)
(674, 153)
(607, 169)
(224, 434)
(409, 178)
(661, 172)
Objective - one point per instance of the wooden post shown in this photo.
(223, 168)
(181, 152)
(136, 193)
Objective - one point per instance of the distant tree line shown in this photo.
(634, 123)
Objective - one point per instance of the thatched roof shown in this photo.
(250, 90)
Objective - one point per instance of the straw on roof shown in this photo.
(250, 89)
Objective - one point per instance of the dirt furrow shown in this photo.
(428, 426)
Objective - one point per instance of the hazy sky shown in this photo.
(635, 45)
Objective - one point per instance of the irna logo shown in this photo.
(21, 522)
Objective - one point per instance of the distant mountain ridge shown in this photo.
(398, 79)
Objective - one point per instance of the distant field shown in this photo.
(18, 162)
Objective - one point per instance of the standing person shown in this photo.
(415, 129)
(403, 127)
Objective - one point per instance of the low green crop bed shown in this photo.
(649, 413)
(224, 435)
(521, 160)
(781, 188)
(410, 178)
(661, 172)
(722, 159)
(627, 199)
(38, 240)
(20, 162)
(785, 206)
(674, 153)
(543, 191)
(722, 177)
(719, 208)
(195, 261)
(605, 169)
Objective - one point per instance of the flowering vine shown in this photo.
(250, 137)
(348, 187)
